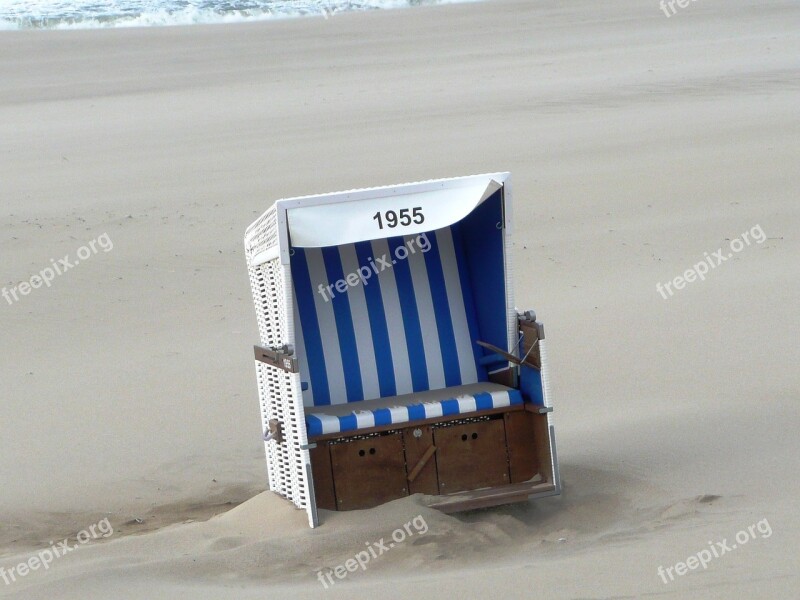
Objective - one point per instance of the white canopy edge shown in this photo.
(363, 215)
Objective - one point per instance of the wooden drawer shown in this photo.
(471, 456)
(369, 471)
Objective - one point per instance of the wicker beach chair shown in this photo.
(392, 360)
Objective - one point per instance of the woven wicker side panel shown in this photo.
(279, 392)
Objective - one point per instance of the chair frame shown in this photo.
(299, 468)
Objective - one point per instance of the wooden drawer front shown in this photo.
(471, 456)
(369, 472)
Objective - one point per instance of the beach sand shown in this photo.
(637, 143)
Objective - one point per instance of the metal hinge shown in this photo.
(282, 357)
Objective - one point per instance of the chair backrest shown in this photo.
(384, 318)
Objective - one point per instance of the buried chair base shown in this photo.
(487, 444)
(492, 457)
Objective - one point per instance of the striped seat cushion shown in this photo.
(460, 400)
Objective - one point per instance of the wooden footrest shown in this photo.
(504, 494)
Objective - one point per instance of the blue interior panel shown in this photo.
(402, 314)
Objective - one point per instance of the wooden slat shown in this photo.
(530, 337)
(541, 433)
(505, 494)
(419, 460)
(323, 476)
(522, 450)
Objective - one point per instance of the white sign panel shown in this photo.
(361, 220)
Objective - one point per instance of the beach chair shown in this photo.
(392, 360)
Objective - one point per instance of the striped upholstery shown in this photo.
(411, 407)
(409, 326)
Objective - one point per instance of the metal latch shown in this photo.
(281, 357)
(274, 431)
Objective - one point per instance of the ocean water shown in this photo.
(79, 14)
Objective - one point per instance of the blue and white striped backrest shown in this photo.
(402, 319)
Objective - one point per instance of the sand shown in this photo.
(637, 144)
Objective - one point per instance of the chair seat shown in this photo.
(459, 400)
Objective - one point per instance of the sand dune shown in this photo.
(637, 143)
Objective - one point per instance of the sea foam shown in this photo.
(83, 14)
